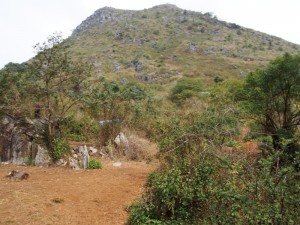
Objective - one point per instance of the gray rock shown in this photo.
(101, 16)
(73, 163)
(193, 47)
(93, 150)
(119, 35)
(124, 81)
(122, 142)
(138, 66)
(42, 157)
(117, 164)
(83, 157)
(17, 175)
(16, 137)
(18, 144)
(117, 67)
(61, 162)
(181, 20)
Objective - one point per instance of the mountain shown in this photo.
(164, 43)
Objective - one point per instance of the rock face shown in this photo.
(17, 146)
(16, 142)
(83, 157)
(42, 157)
(111, 14)
(102, 15)
(80, 158)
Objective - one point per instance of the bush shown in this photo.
(210, 190)
(186, 88)
(74, 130)
(60, 149)
(197, 184)
(94, 164)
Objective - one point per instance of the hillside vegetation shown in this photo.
(220, 100)
(161, 44)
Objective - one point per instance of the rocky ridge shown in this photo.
(102, 15)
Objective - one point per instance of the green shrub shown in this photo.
(74, 130)
(186, 88)
(210, 190)
(197, 184)
(60, 149)
(94, 164)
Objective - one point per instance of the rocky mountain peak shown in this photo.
(101, 15)
(108, 13)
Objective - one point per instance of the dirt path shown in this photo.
(64, 196)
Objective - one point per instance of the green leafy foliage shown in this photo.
(117, 105)
(186, 88)
(272, 96)
(58, 82)
(14, 96)
(94, 164)
(200, 184)
(74, 130)
(60, 148)
(203, 188)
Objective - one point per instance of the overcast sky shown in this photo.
(23, 23)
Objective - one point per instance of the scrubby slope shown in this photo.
(161, 44)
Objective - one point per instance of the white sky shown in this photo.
(23, 23)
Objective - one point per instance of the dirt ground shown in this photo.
(65, 196)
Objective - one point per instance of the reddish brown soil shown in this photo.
(64, 196)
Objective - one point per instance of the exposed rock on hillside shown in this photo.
(16, 141)
(141, 44)
(102, 15)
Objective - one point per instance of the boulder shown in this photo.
(61, 162)
(73, 163)
(122, 142)
(93, 150)
(83, 157)
(42, 157)
(117, 164)
(17, 175)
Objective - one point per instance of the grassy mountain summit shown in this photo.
(164, 43)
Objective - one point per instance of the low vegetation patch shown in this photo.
(94, 164)
(60, 149)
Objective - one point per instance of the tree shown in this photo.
(113, 104)
(15, 68)
(272, 97)
(57, 82)
(13, 92)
